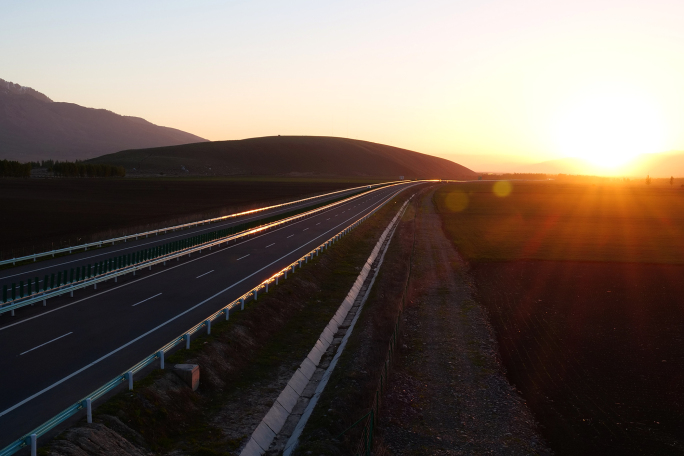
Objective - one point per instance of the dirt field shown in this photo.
(596, 350)
(60, 212)
(595, 345)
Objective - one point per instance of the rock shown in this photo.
(93, 440)
(189, 373)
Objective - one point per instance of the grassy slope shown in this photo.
(288, 155)
(551, 221)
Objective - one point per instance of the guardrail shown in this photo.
(124, 264)
(179, 227)
(31, 439)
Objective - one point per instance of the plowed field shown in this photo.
(583, 285)
(39, 213)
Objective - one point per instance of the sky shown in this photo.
(485, 83)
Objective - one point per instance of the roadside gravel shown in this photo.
(448, 393)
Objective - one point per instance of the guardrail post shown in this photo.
(89, 410)
(266, 287)
(242, 303)
(255, 294)
(277, 277)
(129, 375)
(300, 264)
(285, 275)
(187, 341)
(161, 359)
(208, 322)
(227, 310)
(34, 445)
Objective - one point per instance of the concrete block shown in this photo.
(189, 373)
(308, 368)
(298, 382)
(315, 354)
(263, 436)
(275, 418)
(326, 336)
(288, 398)
(252, 449)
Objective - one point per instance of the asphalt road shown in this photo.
(55, 355)
(53, 265)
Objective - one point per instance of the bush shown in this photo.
(9, 168)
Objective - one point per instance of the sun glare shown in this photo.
(610, 129)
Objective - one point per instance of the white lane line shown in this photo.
(145, 300)
(41, 345)
(269, 245)
(328, 218)
(243, 257)
(305, 229)
(289, 236)
(202, 275)
(318, 223)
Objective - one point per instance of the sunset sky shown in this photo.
(482, 82)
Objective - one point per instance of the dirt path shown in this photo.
(448, 393)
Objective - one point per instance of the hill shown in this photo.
(33, 127)
(287, 156)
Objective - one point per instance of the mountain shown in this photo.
(287, 156)
(656, 165)
(560, 166)
(33, 127)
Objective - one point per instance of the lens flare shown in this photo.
(456, 201)
(502, 188)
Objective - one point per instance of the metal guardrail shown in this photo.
(179, 227)
(162, 258)
(31, 439)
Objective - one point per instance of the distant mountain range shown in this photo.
(287, 156)
(656, 165)
(33, 127)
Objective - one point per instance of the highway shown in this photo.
(53, 265)
(54, 356)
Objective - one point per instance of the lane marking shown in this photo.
(269, 245)
(318, 223)
(327, 219)
(50, 341)
(202, 275)
(243, 257)
(305, 229)
(145, 300)
(289, 236)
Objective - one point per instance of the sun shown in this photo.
(608, 129)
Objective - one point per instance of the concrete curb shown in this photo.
(273, 422)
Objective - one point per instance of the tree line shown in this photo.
(78, 169)
(11, 168)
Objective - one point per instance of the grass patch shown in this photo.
(555, 221)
